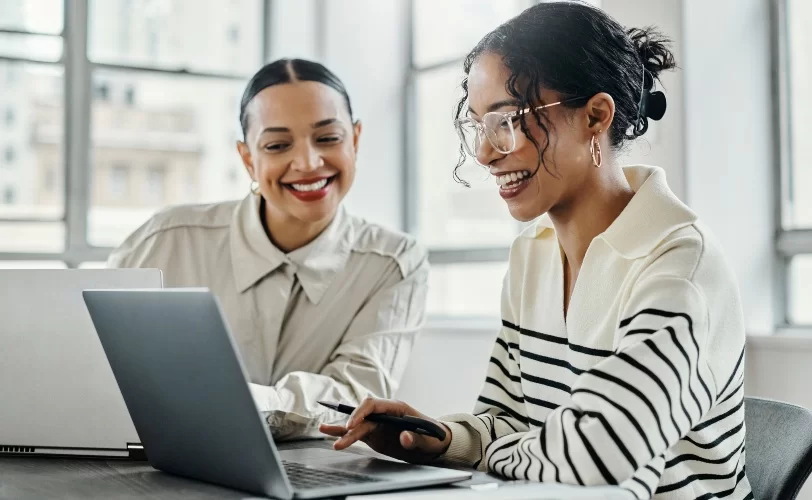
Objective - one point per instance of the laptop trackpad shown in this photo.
(349, 462)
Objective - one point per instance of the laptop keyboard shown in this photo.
(304, 477)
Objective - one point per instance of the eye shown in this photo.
(329, 139)
(276, 147)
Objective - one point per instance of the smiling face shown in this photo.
(300, 147)
(567, 158)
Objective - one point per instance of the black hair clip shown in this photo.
(653, 105)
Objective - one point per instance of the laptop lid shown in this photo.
(58, 393)
(187, 391)
(186, 388)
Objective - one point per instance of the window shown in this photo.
(129, 96)
(450, 215)
(9, 195)
(119, 182)
(234, 34)
(10, 155)
(37, 16)
(161, 94)
(468, 230)
(795, 238)
(45, 48)
(32, 104)
(155, 186)
(173, 123)
(798, 213)
(462, 289)
(31, 264)
(149, 34)
(437, 39)
(173, 92)
(49, 180)
(101, 92)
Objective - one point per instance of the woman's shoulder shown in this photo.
(370, 238)
(691, 253)
(210, 215)
(204, 216)
(171, 221)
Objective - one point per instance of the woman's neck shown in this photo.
(590, 212)
(288, 233)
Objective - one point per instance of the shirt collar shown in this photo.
(319, 261)
(653, 213)
(315, 264)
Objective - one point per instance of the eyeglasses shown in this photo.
(499, 128)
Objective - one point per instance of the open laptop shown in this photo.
(58, 395)
(187, 392)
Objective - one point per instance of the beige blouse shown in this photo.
(334, 320)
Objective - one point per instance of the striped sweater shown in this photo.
(641, 385)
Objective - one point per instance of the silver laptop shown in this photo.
(58, 395)
(186, 388)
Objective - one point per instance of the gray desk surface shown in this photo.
(40, 478)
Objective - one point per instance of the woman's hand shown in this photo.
(386, 439)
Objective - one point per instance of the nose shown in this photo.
(308, 159)
(486, 153)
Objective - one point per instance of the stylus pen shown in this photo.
(406, 423)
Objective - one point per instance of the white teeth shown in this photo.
(310, 187)
(511, 179)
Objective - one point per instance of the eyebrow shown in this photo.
(318, 124)
(496, 105)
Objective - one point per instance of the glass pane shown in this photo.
(466, 289)
(37, 47)
(449, 214)
(800, 290)
(22, 237)
(160, 140)
(798, 208)
(93, 265)
(199, 35)
(38, 16)
(448, 29)
(31, 131)
(32, 264)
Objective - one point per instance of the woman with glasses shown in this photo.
(620, 359)
(323, 305)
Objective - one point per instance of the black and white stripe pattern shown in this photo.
(647, 416)
(639, 384)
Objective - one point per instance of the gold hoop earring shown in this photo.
(595, 151)
(254, 187)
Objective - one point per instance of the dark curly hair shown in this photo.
(578, 51)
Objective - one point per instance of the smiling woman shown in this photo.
(322, 305)
(621, 355)
(299, 146)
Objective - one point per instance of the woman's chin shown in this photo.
(523, 213)
(316, 213)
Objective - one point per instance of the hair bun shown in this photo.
(654, 105)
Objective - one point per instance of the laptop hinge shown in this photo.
(136, 451)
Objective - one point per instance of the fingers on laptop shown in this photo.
(358, 433)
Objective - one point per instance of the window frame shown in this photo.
(76, 167)
(789, 243)
(437, 256)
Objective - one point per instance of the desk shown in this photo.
(74, 479)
